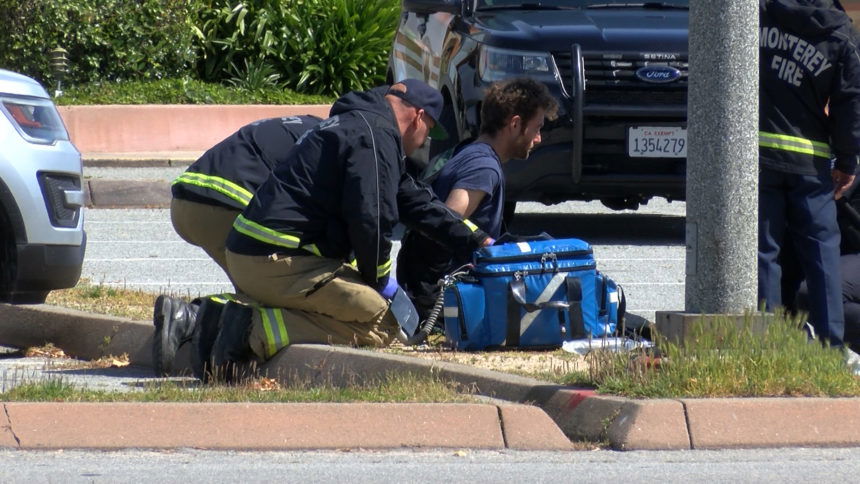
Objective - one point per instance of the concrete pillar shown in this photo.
(722, 157)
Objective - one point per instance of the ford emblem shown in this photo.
(658, 74)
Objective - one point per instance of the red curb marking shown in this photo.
(578, 397)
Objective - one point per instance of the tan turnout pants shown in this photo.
(205, 226)
(309, 299)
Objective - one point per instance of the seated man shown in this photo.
(472, 182)
(335, 199)
(207, 197)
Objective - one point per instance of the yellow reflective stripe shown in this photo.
(220, 185)
(269, 236)
(384, 269)
(223, 298)
(354, 263)
(469, 224)
(276, 331)
(793, 144)
(264, 234)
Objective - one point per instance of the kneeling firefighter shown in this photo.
(207, 198)
(336, 199)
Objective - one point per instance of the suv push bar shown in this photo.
(577, 71)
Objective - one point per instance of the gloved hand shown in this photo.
(390, 288)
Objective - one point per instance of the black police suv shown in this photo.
(618, 69)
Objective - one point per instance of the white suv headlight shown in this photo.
(495, 64)
(37, 120)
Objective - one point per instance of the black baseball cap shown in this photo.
(422, 96)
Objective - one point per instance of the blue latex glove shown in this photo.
(390, 288)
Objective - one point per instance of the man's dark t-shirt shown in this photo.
(423, 261)
(476, 167)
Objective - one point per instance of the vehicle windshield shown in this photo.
(562, 4)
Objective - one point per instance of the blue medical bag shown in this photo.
(531, 295)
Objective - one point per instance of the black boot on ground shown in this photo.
(208, 324)
(174, 321)
(231, 352)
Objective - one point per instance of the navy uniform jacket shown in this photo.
(230, 172)
(342, 191)
(809, 60)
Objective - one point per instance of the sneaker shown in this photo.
(174, 321)
(852, 359)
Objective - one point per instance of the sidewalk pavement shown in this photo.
(524, 413)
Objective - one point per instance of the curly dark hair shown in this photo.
(521, 96)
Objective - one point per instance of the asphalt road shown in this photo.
(191, 466)
(643, 251)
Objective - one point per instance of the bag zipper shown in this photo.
(524, 273)
(528, 257)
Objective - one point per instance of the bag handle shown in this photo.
(518, 292)
(517, 300)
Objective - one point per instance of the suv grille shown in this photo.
(611, 78)
(53, 185)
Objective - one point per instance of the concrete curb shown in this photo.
(297, 426)
(558, 411)
(126, 194)
(244, 426)
(143, 159)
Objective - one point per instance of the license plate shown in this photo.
(657, 142)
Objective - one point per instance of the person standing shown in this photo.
(472, 182)
(808, 59)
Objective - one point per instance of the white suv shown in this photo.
(42, 240)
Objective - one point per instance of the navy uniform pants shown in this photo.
(850, 264)
(802, 207)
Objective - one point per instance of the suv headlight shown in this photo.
(37, 120)
(495, 64)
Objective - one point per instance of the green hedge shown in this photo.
(320, 46)
(182, 91)
(313, 46)
(106, 39)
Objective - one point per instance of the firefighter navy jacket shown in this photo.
(808, 60)
(342, 191)
(230, 172)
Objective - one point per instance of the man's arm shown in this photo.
(464, 201)
(421, 210)
(841, 182)
(844, 118)
(369, 209)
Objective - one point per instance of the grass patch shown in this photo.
(721, 359)
(393, 388)
(182, 91)
(725, 359)
(102, 299)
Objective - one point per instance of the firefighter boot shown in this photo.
(231, 352)
(208, 324)
(174, 325)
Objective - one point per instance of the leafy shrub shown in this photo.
(106, 39)
(181, 91)
(230, 33)
(340, 45)
(319, 46)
